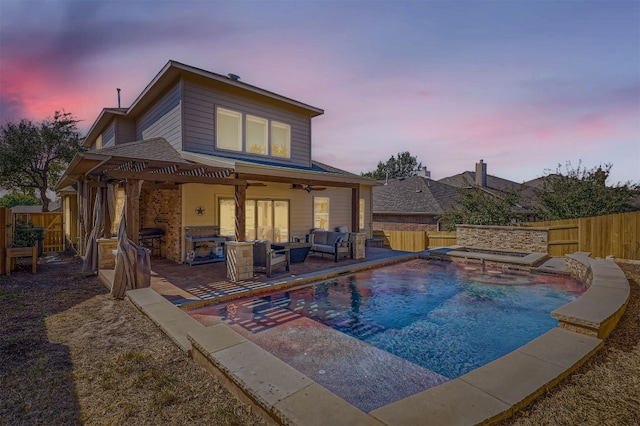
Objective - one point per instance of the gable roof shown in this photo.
(414, 195)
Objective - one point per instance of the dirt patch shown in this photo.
(71, 354)
(605, 390)
(74, 355)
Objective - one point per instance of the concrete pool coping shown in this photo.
(486, 395)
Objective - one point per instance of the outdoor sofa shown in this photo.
(337, 244)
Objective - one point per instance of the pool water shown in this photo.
(423, 321)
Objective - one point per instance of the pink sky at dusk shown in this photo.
(526, 86)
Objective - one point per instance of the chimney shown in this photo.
(481, 174)
(118, 97)
(423, 172)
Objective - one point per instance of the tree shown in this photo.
(33, 156)
(17, 199)
(582, 192)
(404, 165)
(476, 206)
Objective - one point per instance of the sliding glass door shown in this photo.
(264, 219)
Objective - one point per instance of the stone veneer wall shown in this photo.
(162, 208)
(509, 238)
(579, 270)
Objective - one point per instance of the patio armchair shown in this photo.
(266, 259)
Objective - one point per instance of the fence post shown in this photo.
(4, 215)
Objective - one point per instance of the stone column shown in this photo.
(239, 260)
(359, 239)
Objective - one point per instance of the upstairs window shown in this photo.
(228, 129)
(248, 133)
(280, 139)
(257, 138)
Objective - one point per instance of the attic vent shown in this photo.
(233, 77)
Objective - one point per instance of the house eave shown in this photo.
(173, 70)
(81, 164)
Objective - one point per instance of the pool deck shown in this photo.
(285, 396)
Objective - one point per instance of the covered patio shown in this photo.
(193, 286)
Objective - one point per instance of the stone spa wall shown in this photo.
(508, 238)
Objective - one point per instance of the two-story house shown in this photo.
(198, 148)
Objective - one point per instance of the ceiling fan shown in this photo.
(307, 188)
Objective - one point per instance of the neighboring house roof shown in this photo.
(413, 195)
(468, 179)
(53, 206)
(496, 186)
(168, 75)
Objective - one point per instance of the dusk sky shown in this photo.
(523, 85)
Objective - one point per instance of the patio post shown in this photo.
(132, 189)
(107, 215)
(355, 208)
(240, 197)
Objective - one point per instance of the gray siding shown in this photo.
(163, 119)
(109, 135)
(125, 130)
(200, 102)
(339, 206)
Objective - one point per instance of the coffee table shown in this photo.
(298, 252)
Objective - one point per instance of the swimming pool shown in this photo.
(417, 324)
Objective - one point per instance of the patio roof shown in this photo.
(150, 160)
(156, 160)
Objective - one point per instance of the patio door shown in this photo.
(264, 219)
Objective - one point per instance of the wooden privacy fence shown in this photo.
(415, 240)
(5, 233)
(616, 234)
(53, 228)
